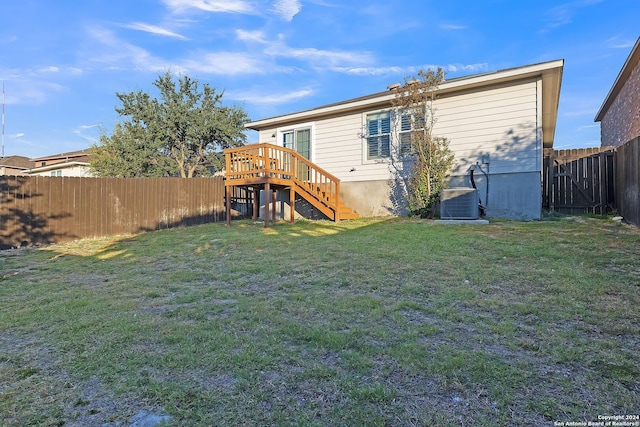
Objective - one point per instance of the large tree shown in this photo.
(180, 132)
(431, 157)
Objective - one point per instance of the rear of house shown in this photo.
(497, 123)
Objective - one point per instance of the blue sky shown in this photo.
(63, 61)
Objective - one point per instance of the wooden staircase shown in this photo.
(269, 167)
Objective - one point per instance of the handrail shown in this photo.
(259, 163)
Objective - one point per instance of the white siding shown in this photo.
(501, 121)
(268, 136)
(339, 149)
(79, 171)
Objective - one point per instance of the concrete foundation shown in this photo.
(510, 196)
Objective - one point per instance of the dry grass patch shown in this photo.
(368, 322)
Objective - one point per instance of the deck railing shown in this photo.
(261, 163)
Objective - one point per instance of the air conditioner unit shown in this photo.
(459, 203)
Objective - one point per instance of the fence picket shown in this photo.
(40, 210)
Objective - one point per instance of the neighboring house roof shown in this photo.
(550, 72)
(16, 162)
(623, 76)
(56, 166)
(80, 155)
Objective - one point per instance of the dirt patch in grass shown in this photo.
(34, 369)
(362, 323)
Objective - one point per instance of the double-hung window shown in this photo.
(408, 125)
(379, 135)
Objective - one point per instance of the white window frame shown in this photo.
(366, 136)
(403, 131)
(300, 126)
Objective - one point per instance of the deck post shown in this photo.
(337, 211)
(274, 199)
(228, 204)
(267, 193)
(292, 204)
(256, 204)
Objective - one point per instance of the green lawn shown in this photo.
(393, 322)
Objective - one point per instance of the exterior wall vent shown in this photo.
(459, 203)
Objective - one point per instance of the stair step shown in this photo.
(351, 215)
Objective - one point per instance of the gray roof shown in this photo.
(17, 162)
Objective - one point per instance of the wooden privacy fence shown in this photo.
(579, 180)
(598, 180)
(37, 209)
(628, 180)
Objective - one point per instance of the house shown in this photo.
(498, 124)
(14, 165)
(74, 163)
(619, 115)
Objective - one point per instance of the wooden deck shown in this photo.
(270, 167)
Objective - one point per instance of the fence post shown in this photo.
(550, 180)
(602, 181)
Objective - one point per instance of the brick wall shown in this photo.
(621, 123)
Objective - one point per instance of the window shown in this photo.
(298, 140)
(408, 124)
(56, 173)
(378, 135)
(405, 135)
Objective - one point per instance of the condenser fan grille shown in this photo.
(459, 203)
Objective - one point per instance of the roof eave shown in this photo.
(623, 75)
(551, 73)
(57, 166)
(70, 154)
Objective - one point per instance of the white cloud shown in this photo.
(95, 125)
(154, 29)
(563, 14)
(318, 57)
(325, 58)
(80, 131)
(617, 43)
(223, 6)
(16, 135)
(452, 27)
(328, 57)
(472, 68)
(369, 71)
(226, 63)
(395, 70)
(287, 9)
(271, 97)
(51, 69)
(256, 36)
(117, 54)
(29, 90)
